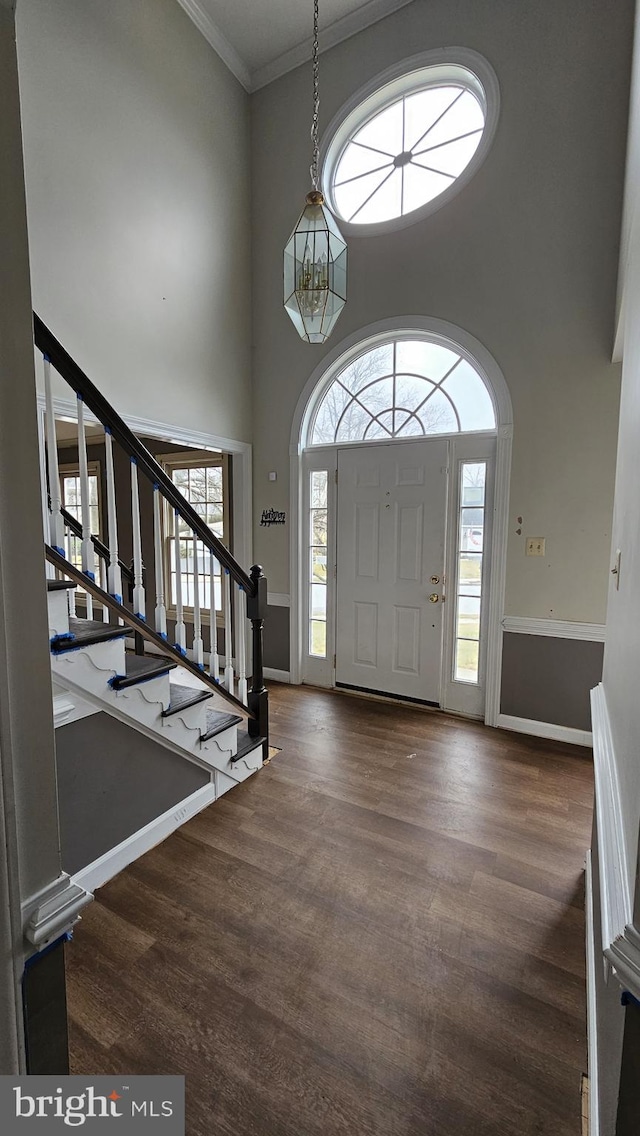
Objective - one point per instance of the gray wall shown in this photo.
(29, 842)
(137, 168)
(524, 258)
(549, 679)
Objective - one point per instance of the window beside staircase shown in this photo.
(203, 479)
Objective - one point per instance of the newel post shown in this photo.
(258, 698)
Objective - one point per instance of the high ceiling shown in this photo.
(261, 42)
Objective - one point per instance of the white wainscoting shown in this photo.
(555, 628)
(544, 730)
(620, 937)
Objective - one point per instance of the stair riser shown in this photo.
(91, 666)
(218, 753)
(58, 606)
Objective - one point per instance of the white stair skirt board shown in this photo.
(620, 937)
(548, 730)
(113, 861)
(592, 1020)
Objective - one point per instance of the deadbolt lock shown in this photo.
(435, 579)
(434, 597)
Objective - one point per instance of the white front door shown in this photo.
(390, 543)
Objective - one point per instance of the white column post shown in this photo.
(241, 643)
(114, 574)
(139, 604)
(198, 645)
(161, 610)
(88, 556)
(56, 524)
(228, 632)
(214, 670)
(181, 631)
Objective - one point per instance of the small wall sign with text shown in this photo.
(272, 517)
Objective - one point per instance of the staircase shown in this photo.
(109, 658)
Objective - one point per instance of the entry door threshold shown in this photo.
(384, 695)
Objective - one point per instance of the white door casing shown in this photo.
(390, 542)
(304, 458)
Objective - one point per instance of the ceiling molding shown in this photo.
(349, 25)
(218, 42)
(336, 33)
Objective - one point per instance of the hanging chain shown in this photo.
(316, 100)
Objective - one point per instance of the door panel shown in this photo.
(391, 530)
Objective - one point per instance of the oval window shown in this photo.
(412, 143)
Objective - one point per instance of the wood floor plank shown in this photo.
(380, 933)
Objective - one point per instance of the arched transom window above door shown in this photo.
(405, 388)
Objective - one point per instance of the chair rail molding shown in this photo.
(620, 937)
(554, 628)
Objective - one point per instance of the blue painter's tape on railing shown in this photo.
(65, 937)
(628, 999)
(138, 615)
(46, 357)
(61, 551)
(116, 597)
(90, 576)
(179, 649)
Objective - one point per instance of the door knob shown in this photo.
(435, 579)
(434, 597)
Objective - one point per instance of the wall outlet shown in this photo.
(535, 546)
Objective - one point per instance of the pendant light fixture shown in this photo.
(315, 256)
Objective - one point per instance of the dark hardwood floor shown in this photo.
(380, 934)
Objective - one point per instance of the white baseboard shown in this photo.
(545, 730)
(113, 861)
(276, 675)
(592, 1014)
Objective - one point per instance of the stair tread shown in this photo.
(246, 743)
(139, 668)
(217, 721)
(58, 585)
(182, 697)
(84, 632)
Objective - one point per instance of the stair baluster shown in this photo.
(241, 644)
(228, 632)
(214, 669)
(114, 574)
(88, 556)
(104, 584)
(198, 645)
(181, 631)
(139, 599)
(161, 609)
(56, 525)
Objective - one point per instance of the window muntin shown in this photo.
(470, 555)
(407, 144)
(404, 389)
(70, 493)
(201, 479)
(317, 561)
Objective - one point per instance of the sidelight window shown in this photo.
(471, 527)
(318, 514)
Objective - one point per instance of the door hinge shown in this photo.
(334, 662)
(336, 477)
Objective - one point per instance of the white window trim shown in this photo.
(301, 459)
(194, 458)
(459, 64)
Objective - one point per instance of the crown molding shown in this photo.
(336, 33)
(349, 25)
(218, 42)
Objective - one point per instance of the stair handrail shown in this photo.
(69, 370)
(139, 625)
(103, 552)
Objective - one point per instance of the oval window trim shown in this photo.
(444, 65)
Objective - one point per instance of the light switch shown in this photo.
(535, 546)
(273, 475)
